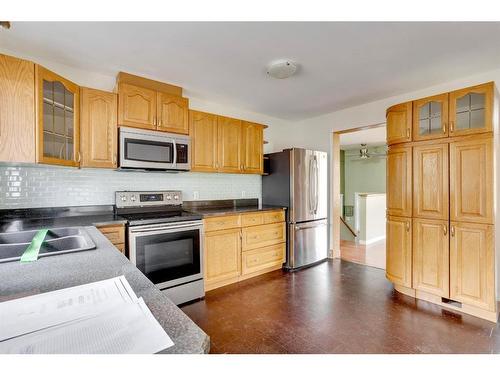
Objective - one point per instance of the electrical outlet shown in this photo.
(196, 195)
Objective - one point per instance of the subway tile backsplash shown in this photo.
(44, 186)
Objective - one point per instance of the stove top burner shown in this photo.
(143, 218)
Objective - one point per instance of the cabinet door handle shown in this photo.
(78, 157)
(452, 126)
(159, 121)
(407, 132)
(154, 121)
(445, 229)
(452, 230)
(444, 128)
(114, 159)
(407, 226)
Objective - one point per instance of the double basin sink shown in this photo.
(57, 241)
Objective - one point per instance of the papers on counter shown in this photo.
(102, 317)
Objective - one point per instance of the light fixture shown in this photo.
(363, 152)
(281, 69)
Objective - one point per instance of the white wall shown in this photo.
(372, 218)
(363, 175)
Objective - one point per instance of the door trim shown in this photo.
(334, 191)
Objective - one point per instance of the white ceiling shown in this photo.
(341, 64)
(371, 137)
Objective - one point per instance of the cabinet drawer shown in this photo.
(259, 259)
(256, 218)
(115, 234)
(222, 222)
(274, 217)
(263, 235)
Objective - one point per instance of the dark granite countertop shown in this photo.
(26, 219)
(222, 207)
(67, 270)
(221, 211)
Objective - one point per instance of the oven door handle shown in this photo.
(175, 152)
(163, 228)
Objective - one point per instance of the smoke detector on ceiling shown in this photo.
(282, 69)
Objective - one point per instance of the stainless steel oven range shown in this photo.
(164, 241)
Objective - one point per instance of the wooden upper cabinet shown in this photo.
(229, 145)
(471, 180)
(17, 110)
(430, 181)
(399, 181)
(173, 113)
(252, 146)
(136, 106)
(472, 265)
(58, 119)
(431, 256)
(98, 128)
(203, 130)
(398, 257)
(399, 127)
(471, 110)
(430, 117)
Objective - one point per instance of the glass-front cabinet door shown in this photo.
(430, 117)
(57, 119)
(471, 110)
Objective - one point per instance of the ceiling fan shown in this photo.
(364, 154)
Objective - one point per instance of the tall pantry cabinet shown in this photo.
(441, 199)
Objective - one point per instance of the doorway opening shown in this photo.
(361, 197)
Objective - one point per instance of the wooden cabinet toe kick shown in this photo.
(492, 316)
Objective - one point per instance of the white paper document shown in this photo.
(102, 317)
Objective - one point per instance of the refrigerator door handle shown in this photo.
(309, 226)
(310, 187)
(316, 185)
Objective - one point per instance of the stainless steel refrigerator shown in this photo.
(297, 179)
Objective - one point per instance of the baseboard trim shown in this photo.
(372, 241)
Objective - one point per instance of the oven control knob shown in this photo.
(169, 197)
(133, 198)
(124, 198)
(176, 197)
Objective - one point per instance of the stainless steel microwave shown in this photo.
(153, 150)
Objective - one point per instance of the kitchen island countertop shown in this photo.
(62, 271)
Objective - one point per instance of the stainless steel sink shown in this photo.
(57, 241)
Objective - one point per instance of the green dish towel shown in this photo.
(31, 252)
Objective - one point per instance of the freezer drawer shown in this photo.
(308, 243)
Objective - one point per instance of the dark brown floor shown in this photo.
(335, 307)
